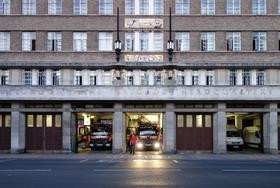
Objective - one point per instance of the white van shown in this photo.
(252, 137)
(234, 139)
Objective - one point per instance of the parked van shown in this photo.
(234, 139)
(252, 137)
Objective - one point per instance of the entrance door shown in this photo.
(43, 132)
(194, 132)
(5, 131)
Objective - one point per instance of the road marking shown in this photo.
(7, 160)
(25, 170)
(250, 170)
(175, 161)
(136, 170)
(82, 161)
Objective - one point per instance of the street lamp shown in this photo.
(118, 43)
(170, 43)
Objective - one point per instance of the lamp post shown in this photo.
(118, 43)
(170, 43)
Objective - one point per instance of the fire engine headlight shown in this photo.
(139, 145)
(156, 145)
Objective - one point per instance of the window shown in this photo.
(180, 120)
(233, 41)
(182, 7)
(92, 80)
(182, 41)
(28, 41)
(4, 41)
(233, 7)
(30, 121)
(27, 77)
(195, 78)
(79, 41)
(105, 7)
(144, 7)
(4, 76)
(80, 7)
(39, 120)
(129, 80)
(5, 6)
(158, 7)
(208, 7)
(180, 78)
(28, 7)
(208, 120)
(157, 78)
(144, 41)
(129, 7)
(260, 78)
(208, 41)
(1, 120)
(259, 41)
(54, 41)
(209, 78)
(55, 78)
(232, 77)
(129, 41)
(48, 120)
(158, 41)
(42, 78)
(78, 78)
(189, 121)
(144, 78)
(58, 120)
(7, 120)
(198, 121)
(105, 41)
(259, 7)
(107, 78)
(54, 7)
(246, 78)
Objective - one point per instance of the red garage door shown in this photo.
(43, 132)
(194, 132)
(5, 131)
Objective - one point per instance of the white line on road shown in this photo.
(136, 170)
(84, 160)
(7, 160)
(250, 170)
(25, 170)
(175, 161)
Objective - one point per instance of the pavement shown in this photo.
(145, 169)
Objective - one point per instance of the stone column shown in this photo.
(239, 77)
(137, 77)
(254, 77)
(219, 129)
(119, 145)
(35, 77)
(67, 77)
(188, 77)
(99, 74)
(270, 129)
(66, 127)
(17, 129)
(150, 77)
(15, 77)
(48, 77)
(169, 129)
(202, 77)
(221, 77)
(85, 77)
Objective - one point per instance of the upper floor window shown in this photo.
(144, 7)
(129, 7)
(5, 6)
(232, 77)
(182, 7)
(27, 77)
(54, 7)
(195, 78)
(259, 41)
(79, 41)
(233, 7)
(28, 7)
(210, 78)
(182, 41)
(278, 6)
(208, 7)
(28, 41)
(208, 41)
(78, 78)
(144, 41)
(105, 41)
(42, 78)
(144, 78)
(157, 78)
(92, 78)
(129, 79)
(260, 78)
(158, 41)
(80, 7)
(4, 76)
(105, 7)
(129, 41)
(180, 78)
(158, 7)
(233, 41)
(4, 41)
(246, 78)
(54, 41)
(55, 77)
(259, 7)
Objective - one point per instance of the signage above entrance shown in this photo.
(146, 23)
(143, 58)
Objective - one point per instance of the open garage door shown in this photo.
(43, 132)
(5, 131)
(194, 132)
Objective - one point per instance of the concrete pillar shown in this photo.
(254, 77)
(85, 76)
(221, 77)
(169, 129)
(150, 77)
(48, 77)
(17, 129)
(35, 77)
(66, 127)
(67, 77)
(15, 77)
(272, 77)
(188, 77)
(119, 145)
(202, 77)
(219, 129)
(270, 129)
(137, 77)
(239, 77)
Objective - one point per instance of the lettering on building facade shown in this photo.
(135, 23)
(143, 58)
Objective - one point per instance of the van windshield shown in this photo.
(233, 134)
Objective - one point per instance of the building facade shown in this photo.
(58, 65)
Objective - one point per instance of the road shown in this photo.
(138, 171)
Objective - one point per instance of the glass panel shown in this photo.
(180, 120)
(189, 120)
(49, 121)
(198, 121)
(8, 121)
(39, 120)
(1, 119)
(57, 120)
(208, 120)
(30, 121)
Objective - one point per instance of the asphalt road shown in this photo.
(138, 172)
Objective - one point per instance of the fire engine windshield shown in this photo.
(147, 132)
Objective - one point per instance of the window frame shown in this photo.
(5, 7)
(5, 41)
(108, 8)
(54, 7)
